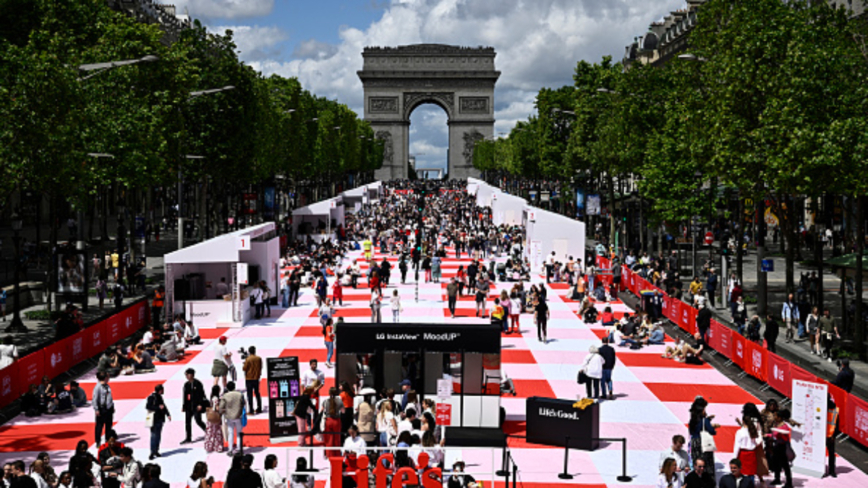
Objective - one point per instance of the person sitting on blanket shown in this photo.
(687, 352)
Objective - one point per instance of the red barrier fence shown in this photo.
(61, 356)
(754, 359)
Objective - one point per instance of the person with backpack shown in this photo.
(131, 473)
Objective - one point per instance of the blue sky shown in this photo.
(538, 43)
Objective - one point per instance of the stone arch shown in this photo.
(460, 80)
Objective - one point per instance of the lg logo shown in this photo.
(757, 358)
(56, 358)
(778, 373)
(97, 339)
(7, 385)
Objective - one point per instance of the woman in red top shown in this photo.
(347, 397)
(338, 292)
(608, 318)
(375, 282)
(461, 277)
(781, 447)
(328, 333)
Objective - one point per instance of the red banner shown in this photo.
(57, 358)
(630, 279)
(95, 339)
(9, 390)
(724, 337)
(778, 375)
(444, 414)
(30, 370)
(667, 307)
(78, 350)
(691, 318)
(711, 337)
(800, 374)
(857, 420)
(755, 360)
(684, 317)
(738, 350)
(114, 329)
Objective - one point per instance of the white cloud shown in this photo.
(225, 9)
(312, 48)
(538, 44)
(254, 42)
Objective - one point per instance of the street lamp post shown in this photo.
(180, 168)
(17, 325)
(122, 232)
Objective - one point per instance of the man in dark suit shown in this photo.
(845, 377)
(155, 481)
(194, 399)
(703, 320)
(735, 479)
(699, 477)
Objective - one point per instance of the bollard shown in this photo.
(504, 466)
(624, 478)
(565, 475)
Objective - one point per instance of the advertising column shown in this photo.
(809, 439)
(283, 391)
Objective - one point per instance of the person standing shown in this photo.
(376, 304)
(331, 411)
(452, 295)
(828, 333)
(222, 362)
(214, 432)
(711, 282)
(103, 405)
(194, 398)
(550, 264)
(294, 287)
(700, 422)
(846, 376)
(328, 332)
(482, 289)
(771, 336)
(780, 438)
(232, 407)
(222, 289)
(608, 354)
(3, 299)
(542, 313)
(284, 291)
(156, 408)
(593, 370)
(258, 302)
(790, 316)
(157, 305)
(252, 375)
(831, 432)
(395, 305)
(703, 319)
(812, 328)
(747, 443)
(338, 293)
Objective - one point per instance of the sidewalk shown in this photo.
(797, 352)
(41, 332)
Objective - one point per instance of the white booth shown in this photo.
(240, 259)
(547, 232)
(507, 209)
(318, 220)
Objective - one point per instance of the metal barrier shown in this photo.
(623, 478)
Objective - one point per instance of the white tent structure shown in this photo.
(549, 232)
(545, 231)
(318, 220)
(241, 259)
(361, 195)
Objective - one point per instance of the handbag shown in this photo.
(244, 416)
(583, 378)
(213, 415)
(149, 419)
(706, 440)
(791, 455)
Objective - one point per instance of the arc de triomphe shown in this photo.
(458, 79)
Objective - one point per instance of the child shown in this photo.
(338, 293)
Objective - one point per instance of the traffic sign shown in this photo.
(709, 238)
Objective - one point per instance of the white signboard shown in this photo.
(531, 216)
(593, 205)
(241, 279)
(358, 207)
(333, 204)
(243, 243)
(809, 439)
(365, 199)
(536, 257)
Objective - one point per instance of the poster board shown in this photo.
(283, 392)
(809, 439)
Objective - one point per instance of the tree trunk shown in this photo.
(52, 245)
(818, 257)
(611, 184)
(738, 235)
(860, 249)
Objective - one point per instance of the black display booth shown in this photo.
(382, 355)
